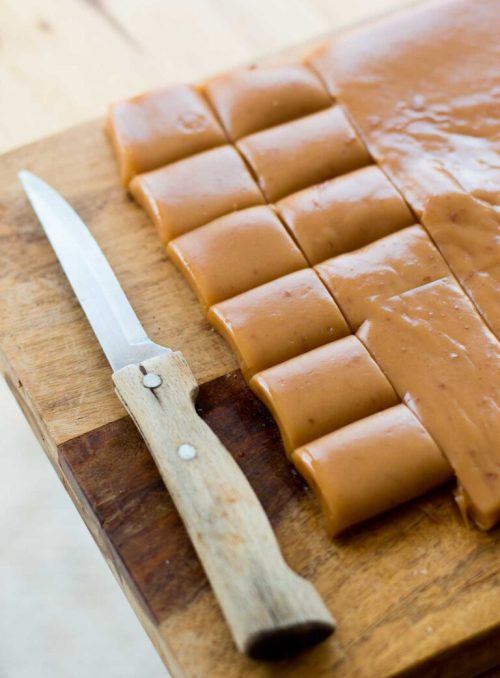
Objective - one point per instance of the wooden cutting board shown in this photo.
(415, 592)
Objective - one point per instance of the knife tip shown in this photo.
(25, 177)
(30, 182)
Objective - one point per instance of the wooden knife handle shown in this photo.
(272, 612)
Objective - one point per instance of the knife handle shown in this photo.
(271, 611)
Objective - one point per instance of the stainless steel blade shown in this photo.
(108, 310)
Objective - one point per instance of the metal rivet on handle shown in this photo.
(151, 380)
(186, 451)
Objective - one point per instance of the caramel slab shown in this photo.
(235, 253)
(159, 127)
(344, 214)
(250, 99)
(371, 466)
(278, 321)
(298, 154)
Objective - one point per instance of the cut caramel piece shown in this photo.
(250, 99)
(395, 264)
(194, 191)
(322, 390)
(343, 214)
(371, 466)
(445, 363)
(160, 127)
(235, 253)
(278, 321)
(297, 154)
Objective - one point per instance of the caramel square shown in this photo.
(235, 253)
(160, 127)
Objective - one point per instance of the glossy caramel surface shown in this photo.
(235, 253)
(278, 321)
(427, 106)
(345, 213)
(251, 99)
(445, 363)
(371, 466)
(297, 154)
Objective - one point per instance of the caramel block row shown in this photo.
(267, 316)
(250, 247)
(293, 314)
(168, 124)
(191, 192)
(323, 390)
(445, 363)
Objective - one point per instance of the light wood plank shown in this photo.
(64, 62)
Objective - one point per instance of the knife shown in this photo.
(272, 612)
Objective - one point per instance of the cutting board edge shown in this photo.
(112, 558)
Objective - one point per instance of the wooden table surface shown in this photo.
(63, 62)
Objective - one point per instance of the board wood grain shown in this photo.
(122, 47)
(415, 592)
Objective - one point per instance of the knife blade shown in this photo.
(101, 297)
(270, 610)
